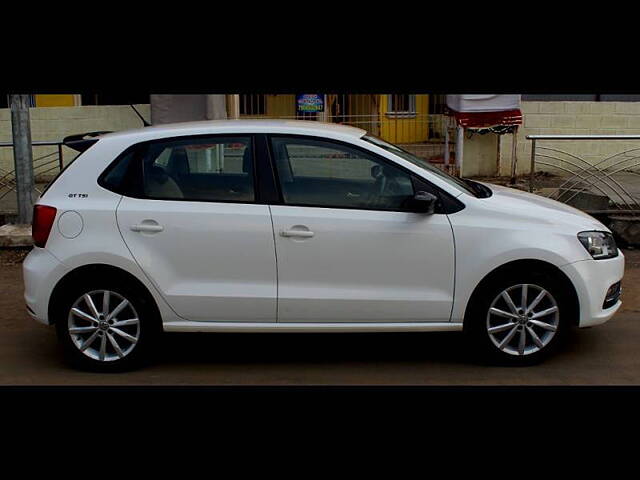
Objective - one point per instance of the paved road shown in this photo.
(606, 355)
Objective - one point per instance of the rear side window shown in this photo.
(215, 169)
(116, 177)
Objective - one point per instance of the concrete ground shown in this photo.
(604, 355)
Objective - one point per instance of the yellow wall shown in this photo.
(368, 112)
(405, 130)
(277, 106)
(363, 112)
(281, 105)
(55, 100)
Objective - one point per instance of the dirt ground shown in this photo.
(604, 355)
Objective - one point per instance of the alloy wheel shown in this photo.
(104, 325)
(522, 319)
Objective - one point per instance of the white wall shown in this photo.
(480, 155)
(578, 118)
(55, 123)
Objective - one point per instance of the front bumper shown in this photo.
(41, 272)
(592, 279)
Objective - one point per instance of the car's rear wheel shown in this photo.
(519, 319)
(105, 325)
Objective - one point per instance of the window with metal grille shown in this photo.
(253, 104)
(401, 104)
(437, 104)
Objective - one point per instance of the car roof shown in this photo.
(300, 127)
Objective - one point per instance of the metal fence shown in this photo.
(45, 167)
(590, 181)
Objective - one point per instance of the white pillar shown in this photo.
(446, 141)
(459, 147)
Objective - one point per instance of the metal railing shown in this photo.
(42, 165)
(602, 175)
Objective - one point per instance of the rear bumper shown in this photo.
(592, 279)
(41, 271)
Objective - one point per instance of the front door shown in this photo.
(196, 232)
(347, 248)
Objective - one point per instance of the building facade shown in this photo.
(414, 121)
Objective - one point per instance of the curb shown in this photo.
(15, 236)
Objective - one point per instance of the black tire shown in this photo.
(476, 326)
(148, 328)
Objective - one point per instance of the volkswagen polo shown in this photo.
(287, 226)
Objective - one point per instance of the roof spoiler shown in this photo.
(82, 141)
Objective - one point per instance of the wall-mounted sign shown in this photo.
(310, 102)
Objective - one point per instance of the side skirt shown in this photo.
(189, 326)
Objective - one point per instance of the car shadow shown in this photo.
(244, 348)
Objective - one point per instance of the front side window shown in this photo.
(394, 149)
(328, 174)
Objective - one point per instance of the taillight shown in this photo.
(43, 217)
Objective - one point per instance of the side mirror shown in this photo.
(424, 202)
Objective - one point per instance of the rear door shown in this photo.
(195, 228)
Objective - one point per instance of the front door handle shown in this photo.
(147, 227)
(296, 233)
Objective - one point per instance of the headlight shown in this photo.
(599, 244)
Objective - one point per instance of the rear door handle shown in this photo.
(296, 233)
(147, 227)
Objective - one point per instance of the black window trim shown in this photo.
(269, 187)
(266, 183)
(447, 203)
(143, 147)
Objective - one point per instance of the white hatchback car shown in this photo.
(285, 226)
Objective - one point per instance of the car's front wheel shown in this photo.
(519, 319)
(105, 325)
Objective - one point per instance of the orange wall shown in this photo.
(55, 100)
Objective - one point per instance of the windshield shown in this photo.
(422, 163)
